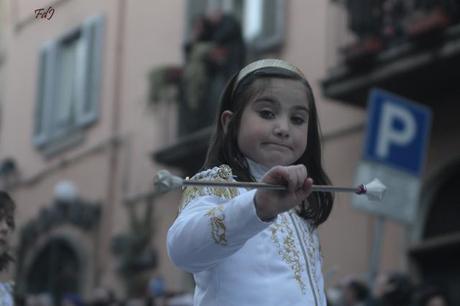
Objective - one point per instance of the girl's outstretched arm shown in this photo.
(213, 224)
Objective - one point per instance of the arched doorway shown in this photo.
(55, 270)
(436, 257)
(56, 248)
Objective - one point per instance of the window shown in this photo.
(262, 20)
(263, 23)
(68, 85)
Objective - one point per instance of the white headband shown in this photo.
(266, 63)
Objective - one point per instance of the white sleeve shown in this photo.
(210, 228)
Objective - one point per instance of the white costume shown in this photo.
(6, 294)
(236, 258)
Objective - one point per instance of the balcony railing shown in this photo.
(375, 42)
(194, 124)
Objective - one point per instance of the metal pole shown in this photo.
(377, 243)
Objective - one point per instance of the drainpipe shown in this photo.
(105, 234)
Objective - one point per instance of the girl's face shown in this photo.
(5, 234)
(274, 124)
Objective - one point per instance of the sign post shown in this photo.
(394, 151)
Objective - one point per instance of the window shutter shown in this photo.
(90, 57)
(45, 96)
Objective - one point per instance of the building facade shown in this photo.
(81, 139)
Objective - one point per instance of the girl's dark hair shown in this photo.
(223, 148)
(7, 208)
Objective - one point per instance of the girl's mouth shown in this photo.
(278, 145)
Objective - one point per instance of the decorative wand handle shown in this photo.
(165, 181)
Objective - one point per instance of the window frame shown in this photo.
(276, 39)
(257, 46)
(47, 136)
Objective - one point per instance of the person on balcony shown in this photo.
(214, 53)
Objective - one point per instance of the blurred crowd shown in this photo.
(389, 289)
(105, 297)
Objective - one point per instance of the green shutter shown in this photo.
(91, 59)
(45, 90)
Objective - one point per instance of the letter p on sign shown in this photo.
(389, 134)
(397, 133)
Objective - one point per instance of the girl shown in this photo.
(257, 247)
(7, 207)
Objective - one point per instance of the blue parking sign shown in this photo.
(397, 132)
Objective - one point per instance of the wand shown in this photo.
(165, 181)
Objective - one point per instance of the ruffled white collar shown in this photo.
(257, 170)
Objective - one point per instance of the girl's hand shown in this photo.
(270, 203)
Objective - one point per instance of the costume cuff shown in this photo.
(247, 223)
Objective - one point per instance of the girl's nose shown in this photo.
(282, 128)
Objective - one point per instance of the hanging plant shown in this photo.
(161, 80)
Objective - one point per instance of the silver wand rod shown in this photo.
(165, 181)
(324, 188)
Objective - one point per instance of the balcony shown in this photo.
(187, 154)
(410, 49)
(194, 124)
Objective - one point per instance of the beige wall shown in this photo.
(21, 70)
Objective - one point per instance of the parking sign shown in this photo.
(397, 133)
(394, 151)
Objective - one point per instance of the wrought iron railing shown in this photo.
(362, 29)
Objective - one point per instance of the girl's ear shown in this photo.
(225, 119)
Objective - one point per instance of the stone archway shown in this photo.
(437, 250)
(55, 269)
(56, 250)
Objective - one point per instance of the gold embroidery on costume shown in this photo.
(311, 242)
(222, 173)
(218, 229)
(287, 250)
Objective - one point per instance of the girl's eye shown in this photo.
(298, 120)
(266, 114)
